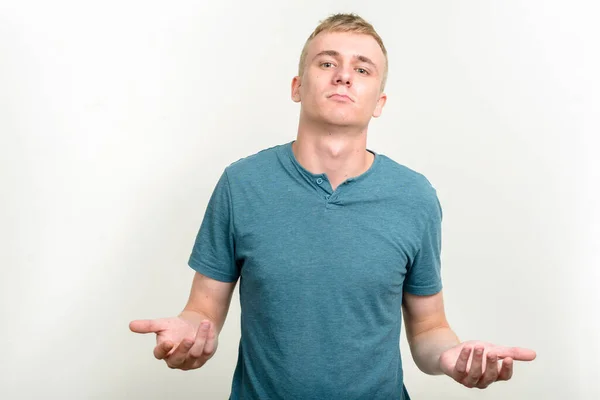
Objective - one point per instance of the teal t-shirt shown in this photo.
(321, 273)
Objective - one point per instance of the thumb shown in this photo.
(147, 325)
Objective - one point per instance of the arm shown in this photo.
(191, 339)
(427, 330)
(437, 350)
(209, 297)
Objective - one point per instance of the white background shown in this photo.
(117, 118)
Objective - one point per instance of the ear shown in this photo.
(296, 83)
(379, 106)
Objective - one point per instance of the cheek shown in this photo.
(314, 89)
(309, 85)
(374, 98)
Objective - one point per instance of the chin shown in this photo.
(341, 120)
(337, 118)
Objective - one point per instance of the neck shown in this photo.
(338, 152)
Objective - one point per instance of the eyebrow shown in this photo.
(333, 53)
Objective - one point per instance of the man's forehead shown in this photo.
(346, 44)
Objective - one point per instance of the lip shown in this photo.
(337, 96)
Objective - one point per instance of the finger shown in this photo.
(211, 341)
(162, 349)
(201, 336)
(516, 353)
(507, 369)
(178, 357)
(475, 372)
(460, 369)
(146, 326)
(491, 371)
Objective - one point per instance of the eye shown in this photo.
(362, 71)
(326, 64)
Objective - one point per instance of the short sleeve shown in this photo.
(213, 253)
(424, 273)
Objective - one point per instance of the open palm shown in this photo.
(183, 343)
(485, 366)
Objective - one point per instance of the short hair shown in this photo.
(345, 22)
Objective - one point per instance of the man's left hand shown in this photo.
(485, 366)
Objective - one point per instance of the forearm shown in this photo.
(426, 348)
(209, 299)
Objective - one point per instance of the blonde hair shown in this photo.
(345, 23)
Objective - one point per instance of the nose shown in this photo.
(343, 77)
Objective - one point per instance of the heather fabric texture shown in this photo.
(321, 272)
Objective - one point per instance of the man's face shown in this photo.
(341, 83)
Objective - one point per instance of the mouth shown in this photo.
(340, 97)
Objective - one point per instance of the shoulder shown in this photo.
(410, 185)
(254, 165)
(405, 178)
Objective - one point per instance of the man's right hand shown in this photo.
(185, 342)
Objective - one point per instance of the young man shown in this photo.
(330, 241)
